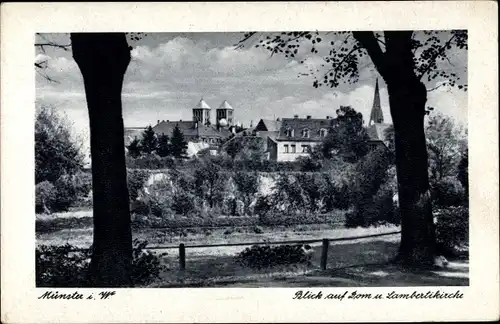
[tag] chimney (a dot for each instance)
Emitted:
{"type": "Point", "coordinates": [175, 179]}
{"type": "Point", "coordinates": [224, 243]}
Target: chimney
{"type": "Point", "coordinates": [328, 117]}
{"type": "Point", "coordinates": [233, 129]}
{"type": "Point", "coordinates": [308, 117]}
{"type": "Point", "coordinates": [295, 116]}
{"type": "Point", "coordinates": [180, 119]}
{"type": "Point", "coordinates": [157, 122]}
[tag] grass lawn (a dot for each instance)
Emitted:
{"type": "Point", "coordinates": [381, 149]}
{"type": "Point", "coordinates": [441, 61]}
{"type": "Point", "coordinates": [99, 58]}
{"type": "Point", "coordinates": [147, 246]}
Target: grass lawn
{"type": "Point", "coordinates": [353, 263]}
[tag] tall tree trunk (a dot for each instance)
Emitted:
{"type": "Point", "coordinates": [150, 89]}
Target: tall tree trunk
{"type": "Point", "coordinates": [103, 59]}
{"type": "Point", "coordinates": [407, 99]}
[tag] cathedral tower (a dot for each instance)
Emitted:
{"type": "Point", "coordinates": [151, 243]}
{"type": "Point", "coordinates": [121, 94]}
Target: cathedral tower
{"type": "Point", "coordinates": [225, 111]}
{"type": "Point", "coordinates": [376, 116]}
{"type": "Point", "coordinates": [201, 113]}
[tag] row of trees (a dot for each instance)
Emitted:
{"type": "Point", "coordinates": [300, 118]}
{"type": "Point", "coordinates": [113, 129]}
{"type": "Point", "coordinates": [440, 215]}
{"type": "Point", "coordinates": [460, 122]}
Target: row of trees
{"type": "Point", "coordinates": [162, 145]}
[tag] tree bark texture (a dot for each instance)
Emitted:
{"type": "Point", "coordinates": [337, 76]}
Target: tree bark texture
{"type": "Point", "coordinates": [407, 99]}
{"type": "Point", "coordinates": [103, 59]}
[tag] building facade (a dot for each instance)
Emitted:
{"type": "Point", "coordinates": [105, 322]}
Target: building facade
{"type": "Point", "coordinates": [199, 129]}
{"type": "Point", "coordinates": [291, 138]}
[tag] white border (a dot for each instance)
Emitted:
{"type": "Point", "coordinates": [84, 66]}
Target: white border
{"type": "Point", "coordinates": [19, 22]}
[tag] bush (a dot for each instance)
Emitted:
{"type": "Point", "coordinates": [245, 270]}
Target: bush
{"type": "Point", "coordinates": [379, 211]}
{"type": "Point", "coordinates": [183, 203]}
{"type": "Point", "coordinates": [309, 164]}
{"type": "Point", "coordinates": [151, 161]}
{"type": "Point", "coordinates": [371, 173]}
{"type": "Point", "coordinates": [280, 219]}
{"type": "Point", "coordinates": [452, 228]}
{"type": "Point", "coordinates": [66, 192]}
{"type": "Point", "coordinates": [263, 205]}
{"type": "Point", "coordinates": [259, 257]}
{"type": "Point", "coordinates": [135, 182]}
{"type": "Point", "coordinates": [57, 266]}
{"type": "Point", "coordinates": [45, 195]}
{"type": "Point", "coordinates": [448, 192]}
{"type": "Point", "coordinates": [258, 230]}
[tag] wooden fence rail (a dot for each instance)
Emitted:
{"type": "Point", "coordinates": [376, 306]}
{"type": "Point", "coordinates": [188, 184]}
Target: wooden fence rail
{"type": "Point", "coordinates": [324, 249]}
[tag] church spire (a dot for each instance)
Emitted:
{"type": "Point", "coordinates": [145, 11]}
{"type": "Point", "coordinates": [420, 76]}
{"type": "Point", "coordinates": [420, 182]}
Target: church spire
{"type": "Point", "coordinates": [376, 116]}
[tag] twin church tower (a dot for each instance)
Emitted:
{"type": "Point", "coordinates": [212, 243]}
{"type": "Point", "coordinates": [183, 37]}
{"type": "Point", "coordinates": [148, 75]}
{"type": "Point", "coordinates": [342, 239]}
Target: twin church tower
{"type": "Point", "coordinates": [223, 115]}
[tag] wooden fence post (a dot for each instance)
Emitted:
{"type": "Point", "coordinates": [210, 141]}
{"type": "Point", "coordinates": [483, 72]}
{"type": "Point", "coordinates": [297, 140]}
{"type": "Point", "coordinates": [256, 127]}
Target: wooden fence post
{"type": "Point", "coordinates": [324, 254]}
{"type": "Point", "coordinates": [182, 257]}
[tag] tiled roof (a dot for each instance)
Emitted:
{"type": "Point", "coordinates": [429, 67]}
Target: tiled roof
{"type": "Point", "coordinates": [188, 128]}
{"type": "Point", "coordinates": [299, 124]}
{"type": "Point", "coordinates": [268, 125]}
{"type": "Point", "coordinates": [167, 127]}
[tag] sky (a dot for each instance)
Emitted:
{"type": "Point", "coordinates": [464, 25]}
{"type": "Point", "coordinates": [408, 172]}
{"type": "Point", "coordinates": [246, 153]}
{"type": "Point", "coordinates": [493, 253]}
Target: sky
{"type": "Point", "coordinates": [170, 72]}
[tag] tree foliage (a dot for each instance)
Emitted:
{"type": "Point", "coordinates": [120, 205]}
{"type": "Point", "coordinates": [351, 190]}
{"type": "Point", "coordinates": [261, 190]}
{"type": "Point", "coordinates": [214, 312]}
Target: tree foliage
{"type": "Point", "coordinates": [134, 148]}
{"type": "Point", "coordinates": [445, 144]}
{"type": "Point", "coordinates": [56, 150]}
{"type": "Point", "coordinates": [178, 146]}
{"type": "Point", "coordinates": [149, 141]}
{"type": "Point", "coordinates": [343, 54]}
{"type": "Point", "coordinates": [347, 137]}
{"type": "Point", "coordinates": [163, 148]}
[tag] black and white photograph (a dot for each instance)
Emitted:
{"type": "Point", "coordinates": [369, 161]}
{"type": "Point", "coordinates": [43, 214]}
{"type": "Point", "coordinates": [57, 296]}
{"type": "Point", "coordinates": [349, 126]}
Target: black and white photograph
{"type": "Point", "coordinates": [249, 162]}
{"type": "Point", "coordinates": [245, 159]}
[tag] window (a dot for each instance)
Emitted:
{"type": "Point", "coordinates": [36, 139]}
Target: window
{"type": "Point", "coordinates": [289, 132]}
{"type": "Point", "coordinates": [306, 148]}
{"type": "Point", "coordinates": [322, 132]}
{"type": "Point", "coordinates": [293, 148]}
{"type": "Point", "coordinates": [286, 148]}
{"type": "Point", "coordinates": [305, 132]}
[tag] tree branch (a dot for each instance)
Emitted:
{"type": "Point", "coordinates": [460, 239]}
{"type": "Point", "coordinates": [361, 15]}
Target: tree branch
{"type": "Point", "coordinates": [436, 87]}
{"type": "Point", "coordinates": [337, 66]}
{"type": "Point", "coordinates": [370, 43]}
{"type": "Point", "coordinates": [241, 44]}
{"type": "Point", "coordinates": [438, 53]}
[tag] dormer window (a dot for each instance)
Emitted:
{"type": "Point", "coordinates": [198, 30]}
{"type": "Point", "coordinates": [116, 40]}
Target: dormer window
{"type": "Point", "coordinates": [322, 132]}
{"type": "Point", "coordinates": [289, 132]}
{"type": "Point", "coordinates": [305, 133]}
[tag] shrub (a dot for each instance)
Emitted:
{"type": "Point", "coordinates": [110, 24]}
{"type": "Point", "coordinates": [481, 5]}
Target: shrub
{"type": "Point", "coordinates": [45, 195]}
{"type": "Point", "coordinates": [309, 164]}
{"type": "Point", "coordinates": [151, 161]}
{"type": "Point", "coordinates": [379, 211]}
{"type": "Point", "coordinates": [57, 266]}
{"type": "Point", "coordinates": [263, 205]}
{"type": "Point", "coordinates": [247, 185]}
{"type": "Point", "coordinates": [258, 230]}
{"type": "Point", "coordinates": [135, 182]}
{"type": "Point", "coordinates": [70, 189]}
{"type": "Point", "coordinates": [259, 257]}
{"type": "Point", "coordinates": [452, 228]}
{"type": "Point", "coordinates": [275, 219]}
{"type": "Point", "coordinates": [183, 203]}
{"type": "Point", "coordinates": [448, 192]}
{"type": "Point", "coordinates": [371, 173]}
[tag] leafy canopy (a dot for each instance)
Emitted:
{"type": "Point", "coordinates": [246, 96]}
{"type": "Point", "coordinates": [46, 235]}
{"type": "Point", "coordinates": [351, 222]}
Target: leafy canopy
{"type": "Point", "coordinates": [57, 152]}
{"type": "Point", "coordinates": [342, 55]}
